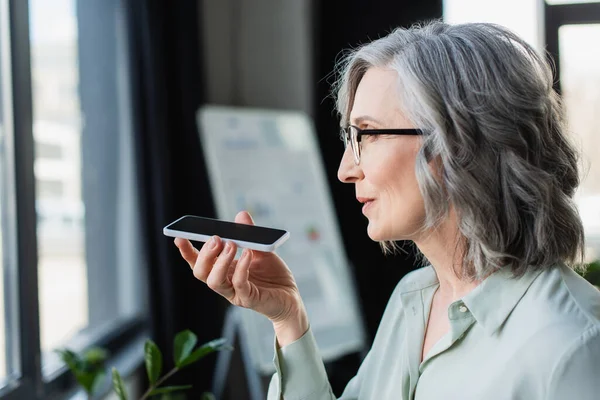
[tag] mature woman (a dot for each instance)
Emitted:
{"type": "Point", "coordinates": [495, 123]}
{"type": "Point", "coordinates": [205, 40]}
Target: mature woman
{"type": "Point", "coordinates": [455, 140]}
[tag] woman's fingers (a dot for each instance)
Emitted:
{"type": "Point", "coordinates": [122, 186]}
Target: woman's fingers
{"type": "Point", "coordinates": [206, 258]}
{"type": "Point", "coordinates": [244, 217]}
{"type": "Point", "coordinates": [215, 265]}
{"type": "Point", "coordinates": [218, 279]}
{"type": "Point", "coordinates": [231, 269]}
{"type": "Point", "coordinates": [240, 282]}
{"type": "Point", "coordinates": [187, 250]}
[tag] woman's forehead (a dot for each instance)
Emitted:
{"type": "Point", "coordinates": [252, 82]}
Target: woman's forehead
{"type": "Point", "coordinates": [376, 99]}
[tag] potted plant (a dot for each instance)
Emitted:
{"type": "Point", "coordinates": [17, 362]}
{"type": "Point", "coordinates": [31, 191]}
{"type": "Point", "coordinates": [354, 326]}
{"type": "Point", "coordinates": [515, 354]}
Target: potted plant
{"type": "Point", "coordinates": [89, 368]}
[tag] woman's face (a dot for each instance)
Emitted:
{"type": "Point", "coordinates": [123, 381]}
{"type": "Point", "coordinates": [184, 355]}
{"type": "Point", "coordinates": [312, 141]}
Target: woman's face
{"type": "Point", "coordinates": [385, 177]}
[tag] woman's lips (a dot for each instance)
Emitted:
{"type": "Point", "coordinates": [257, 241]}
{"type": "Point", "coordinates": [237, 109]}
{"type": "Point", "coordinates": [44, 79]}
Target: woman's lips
{"type": "Point", "coordinates": [367, 205]}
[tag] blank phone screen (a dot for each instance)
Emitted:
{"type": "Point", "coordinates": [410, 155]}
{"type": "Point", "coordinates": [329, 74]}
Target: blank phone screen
{"type": "Point", "coordinates": [229, 230]}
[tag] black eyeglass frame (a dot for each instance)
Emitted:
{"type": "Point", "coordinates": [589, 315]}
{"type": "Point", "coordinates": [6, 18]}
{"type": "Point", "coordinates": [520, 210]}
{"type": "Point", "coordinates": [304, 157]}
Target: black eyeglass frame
{"type": "Point", "coordinates": [355, 140]}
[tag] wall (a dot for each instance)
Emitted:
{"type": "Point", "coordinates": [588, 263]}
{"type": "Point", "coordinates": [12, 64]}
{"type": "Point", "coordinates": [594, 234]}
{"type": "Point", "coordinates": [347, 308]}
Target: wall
{"type": "Point", "coordinates": [258, 53]}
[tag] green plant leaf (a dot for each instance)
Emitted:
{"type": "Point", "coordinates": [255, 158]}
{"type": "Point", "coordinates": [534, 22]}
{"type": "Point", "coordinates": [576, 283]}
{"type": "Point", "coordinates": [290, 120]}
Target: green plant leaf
{"type": "Point", "coordinates": [95, 355]}
{"type": "Point", "coordinates": [169, 389]}
{"type": "Point", "coordinates": [207, 396]}
{"type": "Point", "coordinates": [70, 358]}
{"type": "Point", "coordinates": [153, 358]}
{"type": "Point", "coordinates": [594, 266]}
{"type": "Point", "coordinates": [184, 344]}
{"type": "Point", "coordinates": [207, 348]}
{"type": "Point", "coordinates": [118, 385]}
{"type": "Point", "coordinates": [88, 371]}
{"type": "Point", "coordinates": [97, 382]}
{"type": "Point", "coordinates": [591, 272]}
{"type": "Point", "coordinates": [88, 380]}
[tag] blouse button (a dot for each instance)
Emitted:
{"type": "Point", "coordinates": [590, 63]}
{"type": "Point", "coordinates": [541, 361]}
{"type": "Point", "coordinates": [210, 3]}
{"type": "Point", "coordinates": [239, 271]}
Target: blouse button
{"type": "Point", "coordinates": [463, 309]}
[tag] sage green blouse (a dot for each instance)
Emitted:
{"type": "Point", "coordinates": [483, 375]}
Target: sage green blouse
{"type": "Point", "coordinates": [533, 337]}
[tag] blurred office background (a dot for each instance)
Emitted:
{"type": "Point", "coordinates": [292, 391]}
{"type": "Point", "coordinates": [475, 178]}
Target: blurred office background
{"type": "Point", "coordinates": [99, 150]}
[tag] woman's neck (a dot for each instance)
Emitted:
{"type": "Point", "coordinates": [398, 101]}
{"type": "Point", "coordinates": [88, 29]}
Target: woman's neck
{"type": "Point", "coordinates": [444, 252]}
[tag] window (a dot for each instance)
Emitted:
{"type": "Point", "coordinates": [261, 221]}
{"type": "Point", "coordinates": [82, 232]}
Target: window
{"type": "Point", "coordinates": [2, 294]}
{"type": "Point", "coordinates": [525, 23]}
{"type": "Point", "coordinates": [572, 31]}
{"type": "Point", "coordinates": [579, 80]}
{"type": "Point", "coordinates": [48, 151]}
{"type": "Point", "coordinates": [7, 267]}
{"type": "Point", "coordinates": [69, 187]}
{"type": "Point", "coordinates": [572, 34]}
{"type": "Point", "coordinates": [87, 230]}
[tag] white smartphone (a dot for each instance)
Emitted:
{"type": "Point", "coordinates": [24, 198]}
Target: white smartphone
{"type": "Point", "coordinates": [247, 236]}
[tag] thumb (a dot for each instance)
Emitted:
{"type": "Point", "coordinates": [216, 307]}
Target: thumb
{"type": "Point", "coordinates": [243, 217]}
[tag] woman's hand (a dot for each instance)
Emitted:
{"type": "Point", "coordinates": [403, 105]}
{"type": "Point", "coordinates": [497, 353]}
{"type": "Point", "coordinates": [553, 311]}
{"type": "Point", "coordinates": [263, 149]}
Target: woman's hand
{"type": "Point", "coordinates": [258, 280]}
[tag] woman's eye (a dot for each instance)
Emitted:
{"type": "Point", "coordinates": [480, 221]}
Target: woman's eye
{"type": "Point", "coordinates": [369, 138]}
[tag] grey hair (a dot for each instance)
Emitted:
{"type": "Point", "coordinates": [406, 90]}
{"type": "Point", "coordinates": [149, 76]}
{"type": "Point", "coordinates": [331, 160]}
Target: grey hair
{"type": "Point", "coordinates": [495, 127]}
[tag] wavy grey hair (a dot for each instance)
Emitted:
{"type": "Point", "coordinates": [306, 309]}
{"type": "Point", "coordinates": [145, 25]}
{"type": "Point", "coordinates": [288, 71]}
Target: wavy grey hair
{"type": "Point", "coordinates": [495, 125]}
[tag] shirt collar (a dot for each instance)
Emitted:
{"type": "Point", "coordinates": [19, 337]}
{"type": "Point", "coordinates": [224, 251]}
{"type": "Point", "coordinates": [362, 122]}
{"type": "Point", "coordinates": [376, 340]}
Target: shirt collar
{"type": "Point", "coordinates": [492, 301]}
{"type": "Point", "coordinates": [418, 279]}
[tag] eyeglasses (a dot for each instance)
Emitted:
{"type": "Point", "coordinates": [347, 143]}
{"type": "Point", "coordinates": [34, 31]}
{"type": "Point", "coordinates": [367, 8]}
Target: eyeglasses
{"type": "Point", "coordinates": [352, 136]}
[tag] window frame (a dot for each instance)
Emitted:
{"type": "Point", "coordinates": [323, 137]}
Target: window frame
{"type": "Point", "coordinates": [123, 338]}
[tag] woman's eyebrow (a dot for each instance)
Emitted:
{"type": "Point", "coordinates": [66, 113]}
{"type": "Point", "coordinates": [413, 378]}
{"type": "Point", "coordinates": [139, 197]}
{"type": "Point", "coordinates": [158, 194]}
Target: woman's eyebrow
{"type": "Point", "coordinates": [365, 118]}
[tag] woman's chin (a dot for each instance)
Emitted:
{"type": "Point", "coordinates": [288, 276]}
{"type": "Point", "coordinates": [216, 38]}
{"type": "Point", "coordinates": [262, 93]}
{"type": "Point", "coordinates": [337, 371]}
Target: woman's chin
{"type": "Point", "coordinates": [375, 234]}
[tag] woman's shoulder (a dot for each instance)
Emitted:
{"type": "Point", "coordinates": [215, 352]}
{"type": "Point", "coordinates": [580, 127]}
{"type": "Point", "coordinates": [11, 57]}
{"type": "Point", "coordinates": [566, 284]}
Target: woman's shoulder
{"type": "Point", "coordinates": [562, 302]}
{"type": "Point", "coordinates": [583, 297]}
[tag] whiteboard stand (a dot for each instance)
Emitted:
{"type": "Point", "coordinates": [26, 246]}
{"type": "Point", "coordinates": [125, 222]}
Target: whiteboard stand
{"type": "Point", "coordinates": [268, 162]}
{"type": "Point", "coordinates": [232, 328]}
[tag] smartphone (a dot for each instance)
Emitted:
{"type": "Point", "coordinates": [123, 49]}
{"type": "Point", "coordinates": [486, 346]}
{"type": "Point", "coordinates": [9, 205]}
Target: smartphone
{"type": "Point", "coordinates": [247, 236]}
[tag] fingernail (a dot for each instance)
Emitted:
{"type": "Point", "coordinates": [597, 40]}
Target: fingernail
{"type": "Point", "coordinates": [213, 242]}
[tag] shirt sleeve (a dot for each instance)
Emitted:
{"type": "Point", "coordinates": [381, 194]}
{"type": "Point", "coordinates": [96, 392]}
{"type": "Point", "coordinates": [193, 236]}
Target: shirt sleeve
{"type": "Point", "coordinates": [576, 374]}
{"type": "Point", "coordinates": [300, 373]}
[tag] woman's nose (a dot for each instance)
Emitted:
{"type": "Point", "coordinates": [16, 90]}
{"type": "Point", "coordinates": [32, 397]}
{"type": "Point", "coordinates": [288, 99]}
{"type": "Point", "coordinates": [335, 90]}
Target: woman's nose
{"type": "Point", "coordinates": [348, 171]}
